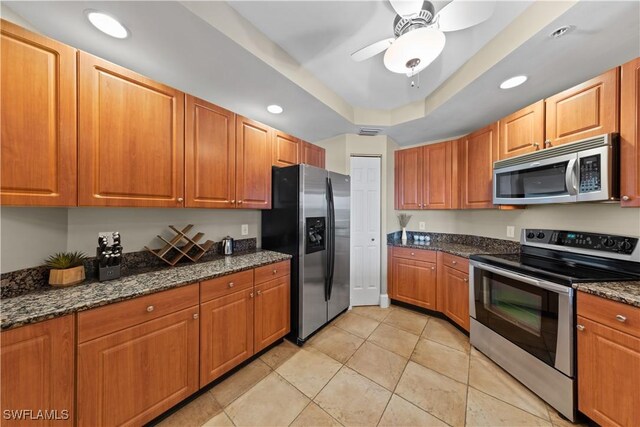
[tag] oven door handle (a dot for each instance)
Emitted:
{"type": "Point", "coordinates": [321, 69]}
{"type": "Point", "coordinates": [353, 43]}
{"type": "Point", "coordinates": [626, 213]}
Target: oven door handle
{"type": "Point", "coordinates": [553, 287]}
{"type": "Point", "coordinates": [570, 177]}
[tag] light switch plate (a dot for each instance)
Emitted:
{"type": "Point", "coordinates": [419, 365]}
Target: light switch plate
{"type": "Point", "coordinates": [422, 225]}
{"type": "Point", "coordinates": [244, 229]}
{"type": "Point", "coordinates": [511, 231]}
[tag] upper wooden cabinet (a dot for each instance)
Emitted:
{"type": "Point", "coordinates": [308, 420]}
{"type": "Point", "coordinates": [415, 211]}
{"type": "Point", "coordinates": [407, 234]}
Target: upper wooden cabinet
{"type": "Point", "coordinates": [523, 131]}
{"type": "Point", "coordinates": [210, 155]}
{"type": "Point", "coordinates": [287, 149]}
{"type": "Point", "coordinates": [131, 138]}
{"type": "Point", "coordinates": [253, 164]}
{"type": "Point", "coordinates": [38, 105]}
{"type": "Point", "coordinates": [38, 371]}
{"type": "Point", "coordinates": [630, 134]}
{"type": "Point", "coordinates": [408, 178]}
{"type": "Point", "coordinates": [585, 110]}
{"type": "Point", "coordinates": [478, 151]}
{"type": "Point", "coordinates": [437, 165]}
{"type": "Point", "coordinates": [313, 155]}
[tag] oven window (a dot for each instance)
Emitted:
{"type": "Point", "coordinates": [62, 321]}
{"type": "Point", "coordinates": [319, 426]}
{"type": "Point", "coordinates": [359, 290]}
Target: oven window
{"type": "Point", "coordinates": [524, 314]}
{"type": "Point", "coordinates": [543, 181]}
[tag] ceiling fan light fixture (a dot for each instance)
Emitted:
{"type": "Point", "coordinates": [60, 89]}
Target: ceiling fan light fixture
{"type": "Point", "coordinates": [419, 47]}
{"type": "Point", "coordinates": [513, 82]}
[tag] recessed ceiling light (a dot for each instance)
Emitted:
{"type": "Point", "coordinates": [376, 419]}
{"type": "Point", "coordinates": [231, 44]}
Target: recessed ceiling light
{"type": "Point", "coordinates": [513, 82]}
{"type": "Point", "coordinates": [556, 34]}
{"type": "Point", "coordinates": [274, 109]}
{"type": "Point", "coordinates": [107, 24]}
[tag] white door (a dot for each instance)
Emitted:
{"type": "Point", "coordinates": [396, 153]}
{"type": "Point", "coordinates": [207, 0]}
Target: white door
{"type": "Point", "coordinates": [365, 231]}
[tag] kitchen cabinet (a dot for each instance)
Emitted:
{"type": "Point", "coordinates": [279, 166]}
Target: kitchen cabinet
{"type": "Point", "coordinates": [630, 134]}
{"type": "Point", "coordinates": [272, 304]}
{"type": "Point", "coordinates": [253, 164]}
{"type": "Point", "coordinates": [608, 361]}
{"type": "Point", "coordinates": [414, 278]}
{"type": "Point", "coordinates": [131, 138]}
{"type": "Point", "coordinates": [453, 288]}
{"type": "Point", "coordinates": [140, 363]}
{"type": "Point", "coordinates": [38, 363]}
{"type": "Point", "coordinates": [38, 109]}
{"type": "Point", "coordinates": [478, 151]}
{"type": "Point", "coordinates": [287, 149]}
{"type": "Point", "coordinates": [522, 132]}
{"type": "Point", "coordinates": [588, 109]}
{"type": "Point", "coordinates": [313, 155]}
{"type": "Point", "coordinates": [210, 155]}
{"type": "Point", "coordinates": [408, 179]}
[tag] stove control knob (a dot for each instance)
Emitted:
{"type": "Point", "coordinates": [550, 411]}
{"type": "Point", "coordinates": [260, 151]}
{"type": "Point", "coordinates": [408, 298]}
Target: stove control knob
{"type": "Point", "coordinates": [608, 242]}
{"type": "Point", "coordinates": [540, 235]}
{"type": "Point", "coordinates": [530, 235]}
{"type": "Point", "coordinates": [626, 245]}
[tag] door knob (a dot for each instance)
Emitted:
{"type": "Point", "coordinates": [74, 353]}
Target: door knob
{"type": "Point", "coordinates": [195, 315]}
{"type": "Point", "coordinates": [454, 262]}
{"type": "Point", "coordinates": [233, 201]}
{"type": "Point", "coordinates": [626, 198]}
{"type": "Point", "coordinates": [433, 268]}
{"type": "Point", "coordinates": [180, 200]}
{"type": "Point", "coordinates": [150, 308]}
{"type": "Point", "coordinates": [258, 292]}
{"type": "Point", "coordinates": [580, 327]}
{"type": "Point", "coordinates": [536, 145]}
{"type": "Point", "coordinates": [231, 284]}
{"type": "Point", "coordinates": [547, 143]}
{"type": "Point", "coordinates": [465, 280]}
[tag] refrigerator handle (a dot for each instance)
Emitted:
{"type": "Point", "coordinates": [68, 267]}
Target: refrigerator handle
{"type": "Point", "coordinates": [332, 231]}
{"type": "Point", "coordinates": [327, 273]}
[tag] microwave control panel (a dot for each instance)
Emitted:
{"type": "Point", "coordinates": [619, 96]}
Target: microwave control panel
{"type": "Point", "coordinates": [590, 174]}
{"type": "Point", "coordinates": [574, 239]}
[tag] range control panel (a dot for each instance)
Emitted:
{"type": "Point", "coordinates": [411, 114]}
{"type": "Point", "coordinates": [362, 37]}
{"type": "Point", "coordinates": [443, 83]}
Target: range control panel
{"type": "Point", "coordinates": [607, 243]}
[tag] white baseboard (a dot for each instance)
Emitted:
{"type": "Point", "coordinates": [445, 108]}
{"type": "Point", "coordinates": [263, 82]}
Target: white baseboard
{"type": "Point", "coordinates": [384, 301]}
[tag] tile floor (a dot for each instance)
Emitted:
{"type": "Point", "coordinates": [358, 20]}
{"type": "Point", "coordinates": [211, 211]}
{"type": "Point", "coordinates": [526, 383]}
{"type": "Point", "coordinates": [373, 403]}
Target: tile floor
{"type": "Point", "coordinates": [371, 366]}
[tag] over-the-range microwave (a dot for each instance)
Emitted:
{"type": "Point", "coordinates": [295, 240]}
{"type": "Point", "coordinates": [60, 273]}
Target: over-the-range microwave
{"type": "Point", "coordinates": [581, 171]}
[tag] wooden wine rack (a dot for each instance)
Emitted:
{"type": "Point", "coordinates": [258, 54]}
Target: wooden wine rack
{"type": "Point", "coordinates": [172, 252]}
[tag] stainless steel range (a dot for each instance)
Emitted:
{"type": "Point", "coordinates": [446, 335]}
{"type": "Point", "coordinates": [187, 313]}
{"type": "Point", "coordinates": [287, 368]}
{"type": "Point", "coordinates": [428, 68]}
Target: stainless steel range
{"type": "Point", "coordinates": [522, 306]}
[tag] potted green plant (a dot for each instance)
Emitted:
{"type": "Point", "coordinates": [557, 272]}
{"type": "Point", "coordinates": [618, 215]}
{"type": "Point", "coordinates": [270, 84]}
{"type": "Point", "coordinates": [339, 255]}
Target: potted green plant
{"type": "Point", "coordinates": [67, 268]}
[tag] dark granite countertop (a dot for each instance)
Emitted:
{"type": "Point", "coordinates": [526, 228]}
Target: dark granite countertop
{"type": "Point", "coordinates": [624, 292]}
{"type": "Point", "coordinates": [55, 302]}
{"type": "Point", "coordinates": [458, 249]}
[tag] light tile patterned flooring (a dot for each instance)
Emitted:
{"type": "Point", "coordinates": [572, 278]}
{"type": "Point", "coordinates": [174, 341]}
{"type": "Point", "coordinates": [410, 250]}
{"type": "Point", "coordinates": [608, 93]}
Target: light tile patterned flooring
{"type": "Point", "coordinates": [371, 366]}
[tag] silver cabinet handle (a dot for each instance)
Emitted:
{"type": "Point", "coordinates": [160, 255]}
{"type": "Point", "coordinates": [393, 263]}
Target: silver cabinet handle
{"type": "Point", "coordinates": [454, 262]}
{"type": "Point", "coordinates": [547, 143]}
{"type": "Point", "coordinates": [535, 144]}
{"type": "Point", "coordinates": [580, 327]}
{"type": "Point", "coordinates": [231, 284]}
{"type": "Point", "coordinates": [180, 199]}
{"type": "Point", "coordinates": [258, 292]}
{"type": "Point", "coordinates": [251, 295]}
{"type": "Point", "coordinates": [150, 308]}
{"type": "Point", "coordinates": [233, 201]}
{"type": "Point", "coordinates": [195, 315]}
{"type": "Point", "coordinates": [433, 268]}
{"type": "Point", "coordinates": [621, 318]}
{"type": "Point", "coordinates": [626, 198]}
{"type": "Point", "coordinates": [465, 280]}
{"type": "Point", "coordinates": [239, 202]}
{"type": "Point", "coordinates": [413, 254]}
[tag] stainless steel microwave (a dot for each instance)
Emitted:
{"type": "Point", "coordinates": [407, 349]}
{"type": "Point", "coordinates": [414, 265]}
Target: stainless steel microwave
{"type": "Point", "coordinates": [582, 171]}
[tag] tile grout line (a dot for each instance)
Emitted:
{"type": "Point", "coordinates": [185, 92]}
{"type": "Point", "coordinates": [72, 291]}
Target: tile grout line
{"type": "Point", "coordinates": [512, 405]}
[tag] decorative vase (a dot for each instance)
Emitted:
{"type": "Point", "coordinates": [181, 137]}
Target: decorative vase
{"type": "Point", "coordinates": [404, 235]}
{"type": "Point", "coordinates": [66, 277]}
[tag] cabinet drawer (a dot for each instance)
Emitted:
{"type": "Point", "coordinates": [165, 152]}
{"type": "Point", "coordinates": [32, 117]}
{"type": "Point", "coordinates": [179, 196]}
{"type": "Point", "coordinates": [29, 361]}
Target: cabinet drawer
{"type": "Point", "coordinates": [610, 313]}
{"type": "Point", "coordinates": [272, 271]}
{"type": "Point", "coordinates": [220, 286]}
{"type": "Point", "coordinates": [417, 254]}
{"type": "Point", "coordinates": [459, 263]}
{"type": "Point", "coordinates": [114, 317]}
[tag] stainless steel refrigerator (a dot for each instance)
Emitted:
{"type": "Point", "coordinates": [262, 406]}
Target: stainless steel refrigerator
{"type": "Point", "coordinates": [309, 220]}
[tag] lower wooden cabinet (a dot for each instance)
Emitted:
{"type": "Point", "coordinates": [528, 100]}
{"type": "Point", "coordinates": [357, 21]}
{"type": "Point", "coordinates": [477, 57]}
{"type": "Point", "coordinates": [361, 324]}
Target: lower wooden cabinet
{"type": "Point", "coordinates": [414, 282]}
{"type": "Point", "coordinates": [37, 363]}
{"type": "Point", "coordinates": [608, 361]}
{"type": "Point", "coordinates": [453, 288]}
{"type": "Point", "coordinates": [272, 304]}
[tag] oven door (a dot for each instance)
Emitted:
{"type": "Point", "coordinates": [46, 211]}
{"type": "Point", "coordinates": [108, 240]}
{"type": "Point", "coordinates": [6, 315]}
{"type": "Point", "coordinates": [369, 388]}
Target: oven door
{"type": "Point", "coordinates": [535, 315]}
{"type": "Point", "coordinates": [551, 180]}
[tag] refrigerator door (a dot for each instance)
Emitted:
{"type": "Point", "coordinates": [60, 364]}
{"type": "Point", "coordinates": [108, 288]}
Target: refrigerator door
{"type": "Point", "coordinates": [340, 288]}
{"type": "Point", "coordinates": [312, 302]}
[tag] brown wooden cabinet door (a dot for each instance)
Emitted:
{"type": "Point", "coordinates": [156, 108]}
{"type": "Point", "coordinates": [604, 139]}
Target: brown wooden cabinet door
{"type": "Point", "coordinates": [226, 334]}
{"type": "Point", "coordinates": [478, 152]}
{"type": "Point", "coordinates": [272, 320]}
{"type": "Point", "coordinates": [608, 374]}
{"type": "Point", "coordinates": [522, 132]}
{"type": "Point", "coordinates": [630, 134]}
{"type": "Point", "coordinates": [287, 149]}
{"type": "Point", "coordinates": [455, 290]}
{"type": "Point", "coordinates": [38, 108]}
{"type": "Point", "coordinates": [586, 110]}
{"type": "Point", "coordinates": [253, 164]}
{"type": "Point", "coordinates": [38, 371]}
{"type": "Point", "coordinates": [313, 155]}
{"type": "Point", "coordinates": [414, 282]}
{"type": "Point", "coordinates": [131, 138]}
{"type": "Point", "coordinates": [210, 155]}
{"type": "Point", "coordinates": [131, 376]}
{"type": "Point", "coordinates": [436, 176]}
{"type": "Point", "coordinates": [408, 178]}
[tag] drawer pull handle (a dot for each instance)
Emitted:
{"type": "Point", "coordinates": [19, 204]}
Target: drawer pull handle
{"type": "Point", "coordinates": [626, 198]}
{"type": "Point", "coordinates": [621, 318]}
{"type": "Point", "coordinates": [433, 268]}
{"type": "Point", "coordinates": [413, 253]}
{"type": "Point", "coordinates": [580, 327]}
{"type": "Point", "coordinates": [195, 315]}
{"type": "Point", "coordinates": [454, 262]}
{"type": "Point", "coordinates": [231, 284]}
{"type": "Point", "coordinates": [275, 271]}
{"type": "Point", "coordinates": [258, 293]}
{"type": "Point", "coordinates": [465, 280]}
{"type": "Point", "coordinates": [150, 308]}
{"type": "Point", "coordinates": [251, 295]}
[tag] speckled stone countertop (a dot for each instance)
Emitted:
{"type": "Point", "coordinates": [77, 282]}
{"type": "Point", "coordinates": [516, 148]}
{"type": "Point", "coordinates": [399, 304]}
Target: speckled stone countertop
{"type": "Point", "coordinates": [457, 249]}
{"type": "Point", "coordinates": [624, 292]}
{"type": "Point", "coordinates": [54, 302]}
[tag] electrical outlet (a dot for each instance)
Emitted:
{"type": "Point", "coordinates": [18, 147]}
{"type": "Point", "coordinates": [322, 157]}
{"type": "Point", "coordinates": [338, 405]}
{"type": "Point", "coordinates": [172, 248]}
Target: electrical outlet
{"type": "Point", "coordinates": [422, 225]}
{"type": "Point", "coordinates": [245, 229]}
{"type": "Point", "coordinates": [511, 231]}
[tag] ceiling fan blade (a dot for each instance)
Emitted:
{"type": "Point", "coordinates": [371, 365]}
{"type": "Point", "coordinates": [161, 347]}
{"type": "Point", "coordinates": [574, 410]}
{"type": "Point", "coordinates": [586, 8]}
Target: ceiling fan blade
{"type": "Point", "coordinates": [406, 7]}
{"type": "Point", "coordinates": [460, 14]}
{"type": "Point", "coordinates": [371, 50]}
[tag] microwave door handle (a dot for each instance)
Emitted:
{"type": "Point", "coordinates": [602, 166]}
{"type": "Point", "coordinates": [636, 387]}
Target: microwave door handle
{"type": "Point", "coordinates": [559, 289]}
{"type": "Point", "coordinates": [570, 177]}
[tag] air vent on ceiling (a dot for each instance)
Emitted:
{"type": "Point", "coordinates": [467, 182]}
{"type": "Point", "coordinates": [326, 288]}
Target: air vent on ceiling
{"type": "Point", "coordinates": [369, 131]}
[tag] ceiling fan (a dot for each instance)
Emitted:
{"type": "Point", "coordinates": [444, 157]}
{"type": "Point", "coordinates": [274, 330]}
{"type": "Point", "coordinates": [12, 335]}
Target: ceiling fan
{"type": "Point", "coordinates": [419, 32]}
